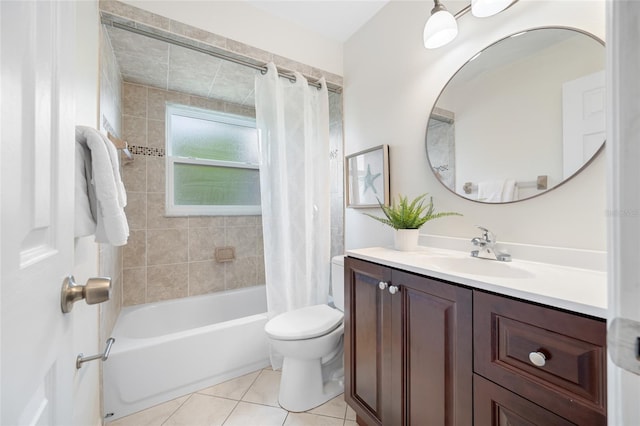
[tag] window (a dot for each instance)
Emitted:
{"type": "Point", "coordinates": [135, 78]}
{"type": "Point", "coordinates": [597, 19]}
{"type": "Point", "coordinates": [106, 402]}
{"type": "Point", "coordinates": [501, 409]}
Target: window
{"type": "Point", "coordinates": [212, 163]}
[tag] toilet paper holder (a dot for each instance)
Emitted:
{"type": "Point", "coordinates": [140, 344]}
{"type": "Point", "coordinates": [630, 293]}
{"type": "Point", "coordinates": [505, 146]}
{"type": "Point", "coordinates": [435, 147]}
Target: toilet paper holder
{"type": "Point", "coordinates": [81, 359]}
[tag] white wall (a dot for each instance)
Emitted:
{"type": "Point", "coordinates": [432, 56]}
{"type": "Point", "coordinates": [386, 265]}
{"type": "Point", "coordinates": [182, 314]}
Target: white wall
{"type": "Point", "coordinates": [391, 82]}
{"type": "Point", "coordinates": [491, 115]}
{"type": "Point", "coordinates": [242, 22]}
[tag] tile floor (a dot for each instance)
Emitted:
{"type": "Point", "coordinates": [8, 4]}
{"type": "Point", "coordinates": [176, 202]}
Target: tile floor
{"type": "Point", "coordinates": [249, 400]}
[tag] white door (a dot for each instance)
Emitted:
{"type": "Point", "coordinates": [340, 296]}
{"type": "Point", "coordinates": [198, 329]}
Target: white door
{"type": "Point", "coordinates": [623, 154]}
{"type": "Point", "coordinates": [36, 179]}
{"type": "Point", "coordinates": [583, 120]}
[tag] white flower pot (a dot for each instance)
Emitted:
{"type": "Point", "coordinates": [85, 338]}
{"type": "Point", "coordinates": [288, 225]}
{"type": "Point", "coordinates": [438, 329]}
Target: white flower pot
{"type": "Point", "coordinates": [406, 239]}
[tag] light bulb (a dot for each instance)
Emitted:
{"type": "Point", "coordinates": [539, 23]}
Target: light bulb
{"type": "Point", "coordinates": [440, 29]}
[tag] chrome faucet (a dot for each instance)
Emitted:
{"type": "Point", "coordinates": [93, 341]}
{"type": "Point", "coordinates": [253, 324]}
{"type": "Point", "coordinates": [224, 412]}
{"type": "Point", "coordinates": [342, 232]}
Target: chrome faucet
{"type": "Point", "coordinates": [487, 247]}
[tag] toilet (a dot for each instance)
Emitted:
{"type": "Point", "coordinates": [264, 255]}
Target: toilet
{"type": "Point", "coordinates": [310, 340]}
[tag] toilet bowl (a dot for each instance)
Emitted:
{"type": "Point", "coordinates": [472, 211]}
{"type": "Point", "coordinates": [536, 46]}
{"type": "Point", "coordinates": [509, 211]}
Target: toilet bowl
{"type": "Point", "coordinates": [310, 340]}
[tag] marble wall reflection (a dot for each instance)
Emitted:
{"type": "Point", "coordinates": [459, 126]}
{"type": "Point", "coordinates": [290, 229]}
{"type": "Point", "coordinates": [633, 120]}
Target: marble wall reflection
{"type": "Point", "coordinates": [441, 146]}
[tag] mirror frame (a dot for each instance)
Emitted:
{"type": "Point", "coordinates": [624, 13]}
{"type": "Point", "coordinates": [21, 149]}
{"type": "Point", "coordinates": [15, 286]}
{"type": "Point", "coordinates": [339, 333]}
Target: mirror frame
{"type": "Point", "coordinates": [471, 58]}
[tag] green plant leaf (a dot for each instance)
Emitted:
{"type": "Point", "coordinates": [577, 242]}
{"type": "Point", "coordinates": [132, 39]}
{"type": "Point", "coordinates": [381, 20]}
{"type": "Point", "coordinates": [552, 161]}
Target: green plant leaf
{"type": "Point", "coordinates": [409, 215]}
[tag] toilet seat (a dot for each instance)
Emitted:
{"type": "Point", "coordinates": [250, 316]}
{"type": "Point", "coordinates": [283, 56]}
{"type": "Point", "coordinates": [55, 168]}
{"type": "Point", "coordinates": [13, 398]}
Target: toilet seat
{"type": "Point", "coordinates": [304, 323]}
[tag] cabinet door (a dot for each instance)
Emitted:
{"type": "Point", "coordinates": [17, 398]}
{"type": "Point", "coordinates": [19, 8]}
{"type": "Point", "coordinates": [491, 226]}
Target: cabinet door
{"type": "Point", "coordinates": [496, 406]}
{"type": "Point", "coordinates": [365, 332]}
{"type": "Point", "coordinates": [433, 353]}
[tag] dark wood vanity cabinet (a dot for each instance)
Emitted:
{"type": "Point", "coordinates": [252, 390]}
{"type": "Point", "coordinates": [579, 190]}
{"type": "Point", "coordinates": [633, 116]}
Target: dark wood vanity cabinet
{"type": "Point", "coordinates": [430, 352]}
{"type": "Point", "coordinates": [495, 405]}
{"type": "Point", "coordinates": [553, 359]}
{"type": "Point", "coordinates": [408, 353]}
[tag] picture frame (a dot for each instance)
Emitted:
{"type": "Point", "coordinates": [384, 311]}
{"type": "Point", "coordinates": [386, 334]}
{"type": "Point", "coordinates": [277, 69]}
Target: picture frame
{"type": "Point", "coordinates": [367, 177]}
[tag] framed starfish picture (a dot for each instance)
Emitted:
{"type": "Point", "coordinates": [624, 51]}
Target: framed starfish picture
{"type": "Point", "coordinates": [367, 177]}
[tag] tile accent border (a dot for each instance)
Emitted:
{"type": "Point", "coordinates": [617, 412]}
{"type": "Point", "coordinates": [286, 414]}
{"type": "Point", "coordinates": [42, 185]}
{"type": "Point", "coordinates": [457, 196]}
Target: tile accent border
{"type": "Point", "coordinates": [147, 151]}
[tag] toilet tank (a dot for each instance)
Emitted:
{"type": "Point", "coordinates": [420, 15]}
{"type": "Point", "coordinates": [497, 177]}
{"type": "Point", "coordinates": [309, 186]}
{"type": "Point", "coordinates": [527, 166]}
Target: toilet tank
{"type": "Point", "coordinates": [337, 281]}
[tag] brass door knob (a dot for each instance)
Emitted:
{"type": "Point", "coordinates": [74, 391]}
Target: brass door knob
{"type": "Point", "coordinates": [96, 290]}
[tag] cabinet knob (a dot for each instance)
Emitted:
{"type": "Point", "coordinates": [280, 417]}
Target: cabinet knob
{"type": "Point", "coordinates": [538, 358]}
{"type": "Point", "coordinates": [383, 285]}
{"type": "Point", "coordinates": [393, 289]}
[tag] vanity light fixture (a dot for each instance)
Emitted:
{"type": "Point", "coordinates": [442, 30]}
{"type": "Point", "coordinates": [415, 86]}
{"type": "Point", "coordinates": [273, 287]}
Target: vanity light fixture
{"type": "Point", "coordinates": [442, 27]}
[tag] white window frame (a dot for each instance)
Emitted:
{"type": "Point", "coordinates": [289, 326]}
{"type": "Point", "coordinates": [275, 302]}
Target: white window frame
{"type": "Point", "coordinates": [171, 208]}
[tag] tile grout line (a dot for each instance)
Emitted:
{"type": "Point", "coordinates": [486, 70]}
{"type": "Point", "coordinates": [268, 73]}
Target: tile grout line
{"type": "Point", "coordinates": [176, 410]}
{"type": "Point", "coordinates": [231, 412]}
{"type": "Point", "coordinates": [246, 402]}
{"type": "Point", "coordinates": [249, 387]}
{"type": "Point", "coordinates": [238, 401]}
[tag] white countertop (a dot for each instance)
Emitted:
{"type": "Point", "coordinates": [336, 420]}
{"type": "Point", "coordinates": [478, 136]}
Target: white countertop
{"type": "Point", "coordinates": [578, 290]}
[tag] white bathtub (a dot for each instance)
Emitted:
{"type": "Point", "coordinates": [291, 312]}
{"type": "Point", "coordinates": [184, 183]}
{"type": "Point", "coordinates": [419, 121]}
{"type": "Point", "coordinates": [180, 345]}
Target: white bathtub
{"type": "Point", "coordinates": [167, 349]}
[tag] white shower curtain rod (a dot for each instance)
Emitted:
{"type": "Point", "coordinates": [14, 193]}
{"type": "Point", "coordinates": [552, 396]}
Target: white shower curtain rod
{"type": "Point", "coordinates": [218, 53]}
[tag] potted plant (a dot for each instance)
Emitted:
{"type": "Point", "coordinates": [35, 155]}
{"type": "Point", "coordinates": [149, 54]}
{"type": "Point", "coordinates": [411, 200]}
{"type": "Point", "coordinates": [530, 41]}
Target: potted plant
{"type": "Point", "coordinates": [407, 218]}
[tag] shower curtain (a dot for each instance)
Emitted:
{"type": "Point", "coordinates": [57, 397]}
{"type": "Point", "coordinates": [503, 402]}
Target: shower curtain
{"type": "Point", "coordinates": [293, 126]}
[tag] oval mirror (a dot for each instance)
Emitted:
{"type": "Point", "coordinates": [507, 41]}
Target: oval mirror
{"type": "Point", "coordinates": [520, 117]}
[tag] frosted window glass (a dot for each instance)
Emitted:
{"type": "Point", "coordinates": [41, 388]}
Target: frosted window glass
{"type": "Point", "coordinates": [213, 140]}
{"type": "Point", "coordinates": [213, 185]}
{"type": "Point", "coordinates": [221, 175]}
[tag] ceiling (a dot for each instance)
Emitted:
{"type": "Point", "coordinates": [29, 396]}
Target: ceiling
{"type": "Point", "coordinates": [334, 19]}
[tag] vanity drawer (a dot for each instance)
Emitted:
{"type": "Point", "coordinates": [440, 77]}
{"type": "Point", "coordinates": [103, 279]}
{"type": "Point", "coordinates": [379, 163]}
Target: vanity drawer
{"type": "Point", "coordinates": [493, 405]}
{"type": "Point", "coordinates": [571, 378]}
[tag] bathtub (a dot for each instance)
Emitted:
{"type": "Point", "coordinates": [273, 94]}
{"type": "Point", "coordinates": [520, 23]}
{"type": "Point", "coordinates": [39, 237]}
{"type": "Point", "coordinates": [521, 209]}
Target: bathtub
{"type": "Point", "coordinates": [168, 349]}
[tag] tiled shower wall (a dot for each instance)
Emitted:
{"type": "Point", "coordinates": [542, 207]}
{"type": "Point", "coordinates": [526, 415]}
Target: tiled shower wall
{"type": "Point", "coordinates": [336, 164]}
{"type": "Point", "coordinates": [173, 257]}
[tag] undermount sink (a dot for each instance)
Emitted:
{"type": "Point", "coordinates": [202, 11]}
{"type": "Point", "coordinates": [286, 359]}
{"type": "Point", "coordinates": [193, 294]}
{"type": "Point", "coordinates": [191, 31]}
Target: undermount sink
{"type": "Point", "coordinates": [475, 266]}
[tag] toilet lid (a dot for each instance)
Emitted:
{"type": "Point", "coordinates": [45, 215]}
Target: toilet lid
{"type": "Point", "coordinates": [304, 323]}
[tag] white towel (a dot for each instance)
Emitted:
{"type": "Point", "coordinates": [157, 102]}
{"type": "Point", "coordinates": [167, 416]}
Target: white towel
{"type": "Point", "coordinates": [490, 191]}
{"type": "Point", "coordinates": [498, 191]}
{"type": "Point", "coordinates": [85, 212]}
{"type": "Point", "coordinates": [509, 190]}
{"type": "Point", "coordinates": [111, 222]}
{"type": "Point", "coordinates": [115, 165]}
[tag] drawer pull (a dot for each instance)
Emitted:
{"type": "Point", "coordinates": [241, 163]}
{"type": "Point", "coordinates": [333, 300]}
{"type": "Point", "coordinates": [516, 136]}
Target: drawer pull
{"type": "Point", "coordinates": [393, 289]}
{"type": "Point", "coordinates": [538, 358]}
{"type": "Point", "coordinates": [383, 285]}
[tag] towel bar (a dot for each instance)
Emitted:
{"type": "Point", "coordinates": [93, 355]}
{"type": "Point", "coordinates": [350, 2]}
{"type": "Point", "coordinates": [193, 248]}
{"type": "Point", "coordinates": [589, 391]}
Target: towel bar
{"type": "Point", "coordinates": [120, 144]}
{"type": "Point", "coordinates": [540, 184]}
